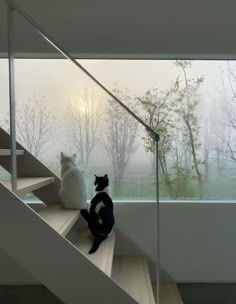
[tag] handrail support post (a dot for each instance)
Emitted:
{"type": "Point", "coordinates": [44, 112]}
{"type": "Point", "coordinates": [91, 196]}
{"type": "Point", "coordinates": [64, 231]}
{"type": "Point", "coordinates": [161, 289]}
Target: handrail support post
{"type": "Point", "coordinates": [12, 103]}
{"type": "Point", "coordinates": [156, 138]}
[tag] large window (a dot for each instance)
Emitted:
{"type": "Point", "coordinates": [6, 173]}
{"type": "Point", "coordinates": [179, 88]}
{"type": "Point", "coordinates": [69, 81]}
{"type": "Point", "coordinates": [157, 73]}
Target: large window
{"type": "Point", "coordinates": [192, 104]}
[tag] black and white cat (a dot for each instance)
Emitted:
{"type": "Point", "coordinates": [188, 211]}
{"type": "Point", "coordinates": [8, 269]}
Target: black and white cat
{"type": "Point", "coordinates": [100, 216]}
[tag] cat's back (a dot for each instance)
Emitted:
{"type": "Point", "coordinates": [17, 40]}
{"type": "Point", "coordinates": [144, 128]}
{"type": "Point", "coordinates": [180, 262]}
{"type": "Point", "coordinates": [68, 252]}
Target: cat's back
{"type": "Point", "coordinates": [74, 182]}
{"type": "Point", "coordinates": [73, 191]}
{"type": "Point", "coordinates": [73, 176]}
{"type": "Point", "coordinates": [103, 198]}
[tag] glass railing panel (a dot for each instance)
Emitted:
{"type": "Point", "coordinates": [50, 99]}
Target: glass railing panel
{"type": "Point", "coordinates": [159, 93]}
{"type": "Point", "coordinates": [37, 121]}
{"type": "Point", "coordinates": [59, 108]}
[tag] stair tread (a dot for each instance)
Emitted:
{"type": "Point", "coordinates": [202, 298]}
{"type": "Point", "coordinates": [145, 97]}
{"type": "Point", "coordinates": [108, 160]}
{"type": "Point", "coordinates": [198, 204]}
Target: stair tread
{"type": "Point", "coordinates": [132, 274]}
{"type": "Point", "coordinates": [29, 184]}
{"type": "Point", "coordinates": [169, 293]}
{"type": "Point", "coordinates": [59, 219]}
{"type": "Point", "coordinates": [7, 152]}
{"type": "Point", "coordinates": [103, 258]}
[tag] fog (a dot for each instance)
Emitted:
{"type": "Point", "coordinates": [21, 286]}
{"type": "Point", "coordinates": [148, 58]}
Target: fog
{"type": "Point", "coordinates": [57, 82]}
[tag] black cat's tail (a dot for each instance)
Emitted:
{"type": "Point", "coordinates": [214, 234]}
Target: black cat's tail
{"type": "Point", "coordinates": [85, 214]}
{"type": "Point", "coordinates": [96, 243]}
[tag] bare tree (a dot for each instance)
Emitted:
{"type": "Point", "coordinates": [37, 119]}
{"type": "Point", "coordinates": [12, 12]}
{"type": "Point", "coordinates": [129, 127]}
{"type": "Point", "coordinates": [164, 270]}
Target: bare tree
{"type": "Point", "coordinates": [216, 136]}
{"type": "Point", "coordinates": [220, 134]}
{"type": "Point", "coordinates": [206, 147]}
{"type": "Point", "coordinates": [220, 143]}
{"type": "Point", "coordinates": [84, 119]}
{"type": "Point", "coordinates": [188, 103]}
{"type": "Point", "coordinates": [180, 148]}
{"type": "Point", "coordinates": [35, 125]}
{"type": "Point", "coordinates": [3, 122]}
{"type": "Point", "coordinates": [120, 136]}
{"type": "Point", "coordinates": [231, 110]}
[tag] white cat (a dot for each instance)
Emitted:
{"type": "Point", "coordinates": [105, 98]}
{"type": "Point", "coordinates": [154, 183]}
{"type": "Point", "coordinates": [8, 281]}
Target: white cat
{"type": "Point", "coordinates": [73, 192]}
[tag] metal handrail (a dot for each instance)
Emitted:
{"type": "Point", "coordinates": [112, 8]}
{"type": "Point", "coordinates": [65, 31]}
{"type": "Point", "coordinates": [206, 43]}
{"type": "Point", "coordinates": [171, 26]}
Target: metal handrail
{"type": "Point", "coordinates": [67, 54]}
{"type": "Point", "coordinates": [152, 133]}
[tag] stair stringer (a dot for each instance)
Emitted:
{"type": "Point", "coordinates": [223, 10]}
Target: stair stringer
{"type": "Point", "coordinates": [29, 166]}
{"type": "Point", "coordinates": [51, 258]}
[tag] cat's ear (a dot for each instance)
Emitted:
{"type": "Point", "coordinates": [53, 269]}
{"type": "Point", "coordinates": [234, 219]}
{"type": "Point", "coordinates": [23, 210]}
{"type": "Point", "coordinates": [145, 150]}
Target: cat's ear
{"type": "Point", "coordinates": [62, 155]}
{"type": "Point", "coordinates": [105, 176]}
{"type": "Point", "coordinates": [74, 156]}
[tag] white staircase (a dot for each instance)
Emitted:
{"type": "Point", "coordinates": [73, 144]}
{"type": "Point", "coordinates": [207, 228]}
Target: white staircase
{"type": "Point", "coordinates": [29, 184]}
{"type": "Point", "coordinates": [103, 258]}
{"type": "Point", "coordinates": [7, 152]}
{"type": "Point", "coordinates": [63, 267]}
{"type": "Point", "coordinates": [60, 219]}
{"type": "Point", "coordinates": [132, 274]}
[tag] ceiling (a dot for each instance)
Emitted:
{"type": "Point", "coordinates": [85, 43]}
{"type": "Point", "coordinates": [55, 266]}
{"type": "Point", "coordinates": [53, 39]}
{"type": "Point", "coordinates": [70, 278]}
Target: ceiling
{"type": "Point", "coordinates": [193, 29]}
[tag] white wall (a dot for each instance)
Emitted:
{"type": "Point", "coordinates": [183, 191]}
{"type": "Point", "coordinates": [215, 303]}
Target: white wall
{"type": "Point", "coordinates": [197, 241]}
